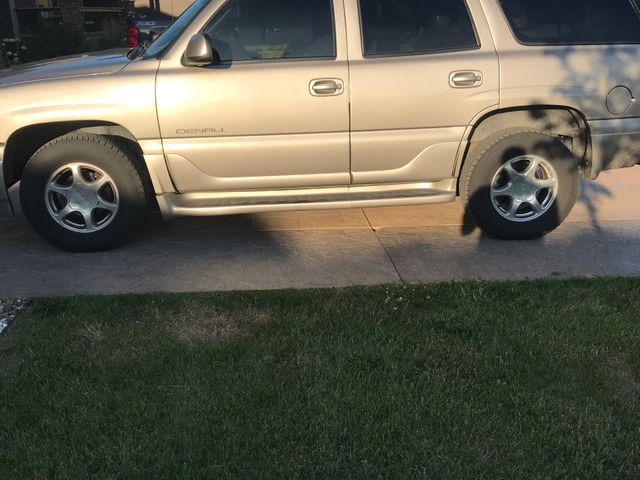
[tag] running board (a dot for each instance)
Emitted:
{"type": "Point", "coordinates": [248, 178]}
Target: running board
{"type": "Point", "coordinates": [229, 203]}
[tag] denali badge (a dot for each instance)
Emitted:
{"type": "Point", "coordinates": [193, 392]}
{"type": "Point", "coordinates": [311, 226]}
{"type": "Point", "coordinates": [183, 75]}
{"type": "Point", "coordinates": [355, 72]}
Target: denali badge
{"type": "Point", "coordinates": [199, 131]}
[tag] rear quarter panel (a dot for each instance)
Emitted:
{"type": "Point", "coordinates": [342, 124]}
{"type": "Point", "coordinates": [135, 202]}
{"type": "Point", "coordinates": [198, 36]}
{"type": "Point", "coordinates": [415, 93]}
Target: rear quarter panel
{"type": "Point", "coordinates": [578, 76]}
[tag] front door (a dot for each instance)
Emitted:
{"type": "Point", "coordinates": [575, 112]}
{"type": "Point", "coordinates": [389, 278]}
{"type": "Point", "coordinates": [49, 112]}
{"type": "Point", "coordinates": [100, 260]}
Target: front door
{"type": "Point", "coordinates": [274, 113]}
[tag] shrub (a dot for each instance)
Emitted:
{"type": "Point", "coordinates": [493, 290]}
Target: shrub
{"type": "Point", "coordinates": [54, 41]}
{"type": "Point", "coordinates": [13, 51]}
{"type": "Point", "coordinates": [106, 41]}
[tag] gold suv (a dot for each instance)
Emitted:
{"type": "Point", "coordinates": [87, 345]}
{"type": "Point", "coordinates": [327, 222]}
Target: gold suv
{"type": "Point", "coordinates": [255, 105]}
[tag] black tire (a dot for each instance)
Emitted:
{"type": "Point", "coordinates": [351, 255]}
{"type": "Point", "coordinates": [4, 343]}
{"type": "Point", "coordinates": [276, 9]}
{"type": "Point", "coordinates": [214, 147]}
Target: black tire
{"type": "Point", "coordinates": [93, 150]}
{"type": "Point", "coordinates": [489, 157]}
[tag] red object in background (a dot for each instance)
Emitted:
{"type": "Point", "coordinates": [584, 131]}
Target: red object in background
{"type": "Point", "coordinates": [133, 37]}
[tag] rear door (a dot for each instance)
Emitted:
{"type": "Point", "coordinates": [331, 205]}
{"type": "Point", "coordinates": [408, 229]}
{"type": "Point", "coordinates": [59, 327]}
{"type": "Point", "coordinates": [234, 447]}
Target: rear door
{"type": "Point", "coordinates": [420, 72]}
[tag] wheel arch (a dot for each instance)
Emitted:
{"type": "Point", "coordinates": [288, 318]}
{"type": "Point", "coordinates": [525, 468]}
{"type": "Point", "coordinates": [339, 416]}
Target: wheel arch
{"type": "Point", "coordinates": [566, 123]}
{"type": "Point", "coordinates": [23, 143]}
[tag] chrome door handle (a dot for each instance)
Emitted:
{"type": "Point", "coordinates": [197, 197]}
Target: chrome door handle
{"type": "Point", "coordinates": [326, 87]}
{"type": "Point", "coordinates": [465, 79]}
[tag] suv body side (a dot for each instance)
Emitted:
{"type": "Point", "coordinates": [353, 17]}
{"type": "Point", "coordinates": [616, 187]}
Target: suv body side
{"type": "Point", "coordinates": [397, 121]}
{"type": "Point", "coordinates": [401, 130]}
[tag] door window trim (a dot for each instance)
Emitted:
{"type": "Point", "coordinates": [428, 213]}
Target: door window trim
{"type": "Point", "coordinates": [478, 45]}
{"type": "Point", "coordinates": [278, 60]}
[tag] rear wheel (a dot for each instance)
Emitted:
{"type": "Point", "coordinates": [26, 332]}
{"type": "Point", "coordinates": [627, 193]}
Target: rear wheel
{"type": "Point", "coordinates": [83, 193]}
{"type": "Point", "coordinates": [520, 184]}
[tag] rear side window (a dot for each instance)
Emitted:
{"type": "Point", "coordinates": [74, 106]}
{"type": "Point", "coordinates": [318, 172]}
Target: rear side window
{"type": "Point", "coordinates": [573, 22]}
{"type": "Point", "coordinates": [406, 27]}
{"type": "Point", "coordinates": [273, 29]}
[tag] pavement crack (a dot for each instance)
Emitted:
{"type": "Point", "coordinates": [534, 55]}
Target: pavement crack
{"type": "Point", "coordinates": [384, 247]}
{"type": "Point", "coordinates": [597, 247]}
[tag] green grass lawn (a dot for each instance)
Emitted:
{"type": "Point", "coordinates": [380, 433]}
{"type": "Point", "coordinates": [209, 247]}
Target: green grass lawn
{"type": "Point", "coordinates": [453, 381]}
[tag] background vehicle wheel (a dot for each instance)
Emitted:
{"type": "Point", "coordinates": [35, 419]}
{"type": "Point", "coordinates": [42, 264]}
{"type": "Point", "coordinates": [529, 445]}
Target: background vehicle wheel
{"type": "Point", "coordinates": [520, 184]}
{"type": "Point", "coordinates": [83, 193]}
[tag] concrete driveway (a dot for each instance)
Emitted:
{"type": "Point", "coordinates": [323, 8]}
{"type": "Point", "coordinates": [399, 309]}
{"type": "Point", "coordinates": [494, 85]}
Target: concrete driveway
{"type": "Point", "coordinates": [332, 249]}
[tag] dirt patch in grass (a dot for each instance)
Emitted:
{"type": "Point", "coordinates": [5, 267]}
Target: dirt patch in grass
{"type": "Point", "coordinates": [629, 387]}
{"type": "Point", "coordinates": [625, 378]}
{"type": "Point", "coordinates": [203, 324]}
{"type": "Point", "coordinates": [92, 333]}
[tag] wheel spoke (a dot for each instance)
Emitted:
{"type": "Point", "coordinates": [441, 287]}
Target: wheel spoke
{"type": "Point", "coordinates": [62, 214]}
{"type": "Point", "coordinates": [59, 189]}
{"type": "Point", "coordinates": [106, 205]}
{"type": "Point", "coordinates": [536, 208]}
{"type": "Point", "coordinates": [76, 172]}
{"type": "Point", "coordinates": [97, 185]}
{"type": "Point", "coordinates": [513, 208]}
{"type": "Point", "coordinates": [498, 191]}
{"type": "Point", "coordinates": [532, 168]}
{"type": "Point", "coordinates": [545, 183]}
{"type": "Point", "coordinates": [511, 172]}
{"type": "Point", "coordinates": [88, 221]}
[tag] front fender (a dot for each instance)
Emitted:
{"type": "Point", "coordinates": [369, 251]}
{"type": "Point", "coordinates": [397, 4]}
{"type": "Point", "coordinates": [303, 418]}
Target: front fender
{"type": "Point", "coordinates": [124, 98]}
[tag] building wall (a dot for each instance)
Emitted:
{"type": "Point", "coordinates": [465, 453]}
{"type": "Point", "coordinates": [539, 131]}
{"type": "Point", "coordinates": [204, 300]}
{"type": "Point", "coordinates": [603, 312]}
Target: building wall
{"type": "Point", "coordinates": [95, 16]}
{"type": "Point", "coordinates": [168, 7]}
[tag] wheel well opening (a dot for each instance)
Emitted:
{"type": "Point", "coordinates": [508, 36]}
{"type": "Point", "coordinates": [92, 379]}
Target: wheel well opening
{"type": "Point", "coordinates": [24, 143]}
{"type": "Point", "coordinates": [28, 140]}
{"type": "Point", "coordinates": [568, 124]}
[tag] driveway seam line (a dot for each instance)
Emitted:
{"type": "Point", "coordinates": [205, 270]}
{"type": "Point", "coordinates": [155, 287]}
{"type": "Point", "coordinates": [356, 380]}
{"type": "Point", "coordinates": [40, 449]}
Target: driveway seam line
{"type": "Point", "coordinates": [393, 264]}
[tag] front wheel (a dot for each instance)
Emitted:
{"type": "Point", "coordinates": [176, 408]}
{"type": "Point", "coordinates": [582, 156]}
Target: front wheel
{"type": "Point", "coordinates": [520, 184]}
{"type": "Point", "coordinates": [83, 193]}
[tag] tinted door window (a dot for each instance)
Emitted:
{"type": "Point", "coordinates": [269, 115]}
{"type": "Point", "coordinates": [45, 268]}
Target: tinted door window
{"type": "Point", "coordinates": [273, 29]}
{"type": "Point", "coordinates": [566, 22]}
{"type": "Point", "coordinates": [402, 27]}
